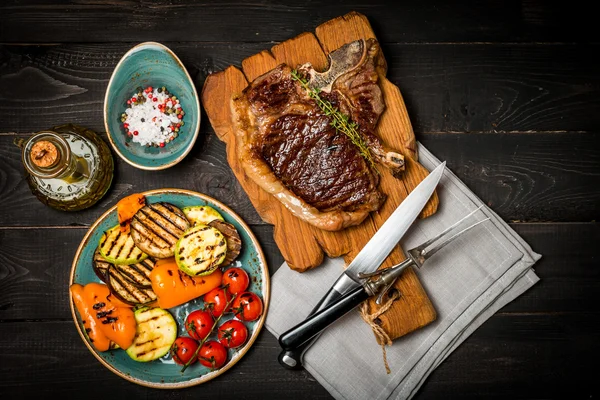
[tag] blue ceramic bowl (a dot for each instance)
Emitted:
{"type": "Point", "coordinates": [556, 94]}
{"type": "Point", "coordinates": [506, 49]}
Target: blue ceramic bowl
{"type": "Point", "coordinates": [151, 64]}
{"type": "Point", "coordinates": [164, 373]}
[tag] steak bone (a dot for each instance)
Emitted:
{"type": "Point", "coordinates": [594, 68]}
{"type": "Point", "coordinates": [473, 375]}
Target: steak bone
{"type": "Point", "coordinates": [341, 61]}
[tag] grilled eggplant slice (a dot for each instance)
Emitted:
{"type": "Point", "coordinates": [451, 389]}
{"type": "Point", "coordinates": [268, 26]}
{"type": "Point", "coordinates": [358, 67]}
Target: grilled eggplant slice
{"type": "Point", "coordinates": [126, 291]}
{"type": "Point", "coordinates": [139, 273]}
{"type": "Point", "coordinates": [119, 248]}
{"type": "Point", "coordinates": [100, 266]}
{"type": "Point", "coordinates": [201, 214]}
{"type": "Point", "coordinates": [200, 250]}
{"type": "Point", "coordinates": [234, 243]}
{"type": "Point", "coordinates": [157, 227]}
{"type": "Point", "coordinates": [155, 334]}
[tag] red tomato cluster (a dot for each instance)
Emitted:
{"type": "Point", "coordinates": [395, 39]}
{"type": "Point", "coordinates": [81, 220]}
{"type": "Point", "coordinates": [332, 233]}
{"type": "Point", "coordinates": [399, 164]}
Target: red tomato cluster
{"type": "Point", "coordinates": [200, 324]}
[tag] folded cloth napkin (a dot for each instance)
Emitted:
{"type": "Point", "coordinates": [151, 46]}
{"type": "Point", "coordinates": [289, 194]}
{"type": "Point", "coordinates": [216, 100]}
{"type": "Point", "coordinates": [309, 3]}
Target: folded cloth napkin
{"type": "Point", "coordinates": [467, 282]}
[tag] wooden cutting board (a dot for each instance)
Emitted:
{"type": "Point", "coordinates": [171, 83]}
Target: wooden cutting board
{"type": "Point", "coordinates": [302, 245]}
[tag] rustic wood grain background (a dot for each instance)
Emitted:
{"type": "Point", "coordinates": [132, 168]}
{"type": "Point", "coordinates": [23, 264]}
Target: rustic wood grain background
{"type": "Point", "coordinates": [506, 91]}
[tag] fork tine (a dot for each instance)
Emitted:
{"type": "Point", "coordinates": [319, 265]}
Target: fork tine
{"type": "Point", "coordinates": [428, 253]}
{"type": "Point", "coordinates": [457, 223]}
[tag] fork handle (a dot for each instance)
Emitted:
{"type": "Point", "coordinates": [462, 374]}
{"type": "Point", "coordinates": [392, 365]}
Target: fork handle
{"type": "Point", "coordinates": [291, 358]}
{"type": "Point", "coordinates": [316, 323]}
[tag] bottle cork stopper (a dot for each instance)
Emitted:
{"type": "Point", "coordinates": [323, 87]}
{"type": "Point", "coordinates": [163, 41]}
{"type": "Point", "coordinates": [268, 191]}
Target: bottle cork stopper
{"type": "Point", "coordinates": [44, 154]}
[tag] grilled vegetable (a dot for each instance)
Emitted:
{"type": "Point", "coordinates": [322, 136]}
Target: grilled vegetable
{"type": "Point", "coordinates": [200, 250]}
{"type": "Point", "coordinates": [155, 229]}
{"type": "Point", "coordinates": [100, 265]}
{"type": "Point", "coordinates": [126, 291]}
{"type": "Point", "coordinates": [234, 243]}
{"type": "Point", "coordinates": [174, 287]}
{"type": "Point", "coordinates": [127, 207]}
{"type": "Point", "coordinates": [201, 214]}
{"type": "Point", "coordinates": [118, 247]}
{"type": "Point", "coordinates": [156, 332]}
{"type": "Point", "coordinates": [90, 325]}
{"type": "Point", "coordinates": [139, 273]}
{"type": "Point", "coordinates": [112, 318]}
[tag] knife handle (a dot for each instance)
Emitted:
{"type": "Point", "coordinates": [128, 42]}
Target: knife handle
{"type": "Point", "coordinates": [292, 358]}
{"type": "Point", "coordinates": [316, 323]}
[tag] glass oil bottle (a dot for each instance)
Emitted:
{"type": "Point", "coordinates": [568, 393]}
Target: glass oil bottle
{"type": "Point", "coordinates": [68, 167]}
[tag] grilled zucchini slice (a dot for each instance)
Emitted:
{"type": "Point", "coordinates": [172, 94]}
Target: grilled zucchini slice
{"type": "Point", "coordinates": [155, 333]}
{"type": "Point", "coordinates": [118, 247]}
{"type": "Point", "coordinates": [234, 243]}
{"type": "Point", "coordinates": [201, 214]}
{"type": "Point", "coordinates": [155, 228]}
{"type": "Point", "coordinates": [200, 250]}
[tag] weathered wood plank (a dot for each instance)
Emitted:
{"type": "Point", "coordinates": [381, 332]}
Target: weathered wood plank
{"type": "Point", "coordinates": [446, 87]}
{"type": "Point", "coordinates": [523, 177]}
{"type": "Point", "coordinates": [416, 21]}
{"type": "Point", "coordinates": [568, 268]}
{"type": "Point", "coordinates": [509, 356]}
{"type": "Point", "coordinates": [541, 356]}
{"type": "Point", "coordinates": [35, 267]}
{"type": "Point", "coordinates": [549, 177]}
{"type": "Point", "coordinates": [62, 366]}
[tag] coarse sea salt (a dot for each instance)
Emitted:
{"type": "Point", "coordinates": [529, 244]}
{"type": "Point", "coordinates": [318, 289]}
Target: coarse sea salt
{"type": "Point", "coordinates": [153, 118]}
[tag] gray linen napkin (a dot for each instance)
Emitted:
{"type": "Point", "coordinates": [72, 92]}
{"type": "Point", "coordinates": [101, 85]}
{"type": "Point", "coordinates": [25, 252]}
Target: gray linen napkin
{"type": "Point", "coordinates": [467, 281]}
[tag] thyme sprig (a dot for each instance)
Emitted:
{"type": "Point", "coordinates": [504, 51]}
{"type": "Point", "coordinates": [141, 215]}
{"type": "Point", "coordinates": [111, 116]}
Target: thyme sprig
{"type": "Point", "coordinates": [340, 121]}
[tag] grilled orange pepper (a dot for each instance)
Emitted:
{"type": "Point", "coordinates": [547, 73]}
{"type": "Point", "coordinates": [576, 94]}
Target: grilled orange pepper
{"type": "Point", "coordinates": [127, 207]}
{"type": "Point", "coordinates": [174, 287]}
{"type": "Point", "coordinates": [98, 339]}
{"type": "Point", "coordinates": [111, 318]}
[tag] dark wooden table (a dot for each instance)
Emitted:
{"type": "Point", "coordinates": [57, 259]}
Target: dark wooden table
{"type": "Point", "coordinates": [507, 92]}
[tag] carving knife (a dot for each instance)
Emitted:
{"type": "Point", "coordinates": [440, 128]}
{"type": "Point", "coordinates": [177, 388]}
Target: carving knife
{"type": "Point", "coordinates": [370, 257]}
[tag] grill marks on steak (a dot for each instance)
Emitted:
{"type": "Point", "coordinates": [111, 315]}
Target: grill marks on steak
{"type": "Point", "coordinates": [319, 164]}
{"type": "Point", "coordinates": [287, 145]}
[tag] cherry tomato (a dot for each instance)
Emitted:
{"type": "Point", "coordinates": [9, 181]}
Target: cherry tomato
{"type": "Point", "coordinates": [213, 354]}
{"type": "Point", "coordinates": [199, 324]}
{"type": "Point", "coordinates": [183, 349]}
{"type": "Point", "coordinates": [236, 280]}
{"type": "Point", "coordinates": [247, 306]}
{"type": "Point", "coordinates": [232, 334]}
{"type": "Point", "coordinates": [216, 300]}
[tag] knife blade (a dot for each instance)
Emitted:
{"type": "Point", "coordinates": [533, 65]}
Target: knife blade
{"type": "Point", "coordinates": [370, 257]}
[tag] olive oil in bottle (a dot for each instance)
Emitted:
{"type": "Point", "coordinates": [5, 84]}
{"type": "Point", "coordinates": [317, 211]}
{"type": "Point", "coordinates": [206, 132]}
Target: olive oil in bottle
{"type": "Point", "coordinates": [68, 167]}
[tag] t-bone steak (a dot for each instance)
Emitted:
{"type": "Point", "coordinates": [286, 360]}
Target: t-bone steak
{"type": "Point", "coordinates": [288, 146]}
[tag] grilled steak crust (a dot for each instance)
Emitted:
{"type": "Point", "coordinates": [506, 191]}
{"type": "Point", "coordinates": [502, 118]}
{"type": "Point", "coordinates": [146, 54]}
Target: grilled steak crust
{"type": "Point", "coordinates": [287, 145]}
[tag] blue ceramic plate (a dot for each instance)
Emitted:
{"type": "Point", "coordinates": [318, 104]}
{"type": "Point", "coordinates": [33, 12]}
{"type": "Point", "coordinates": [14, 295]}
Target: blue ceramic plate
{"type": "Point", "coordinates": [164, 373]}
{"type": "Point", "coordinates": [151, 64]}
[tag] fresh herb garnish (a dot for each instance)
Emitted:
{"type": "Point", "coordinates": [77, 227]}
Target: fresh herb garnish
{"type": "Point", "coordinates": [339, 120]}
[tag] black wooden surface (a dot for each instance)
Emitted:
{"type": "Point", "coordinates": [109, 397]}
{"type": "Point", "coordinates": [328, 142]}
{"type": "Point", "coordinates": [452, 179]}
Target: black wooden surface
{"type": "Point", "coordinates": [507, 92]}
